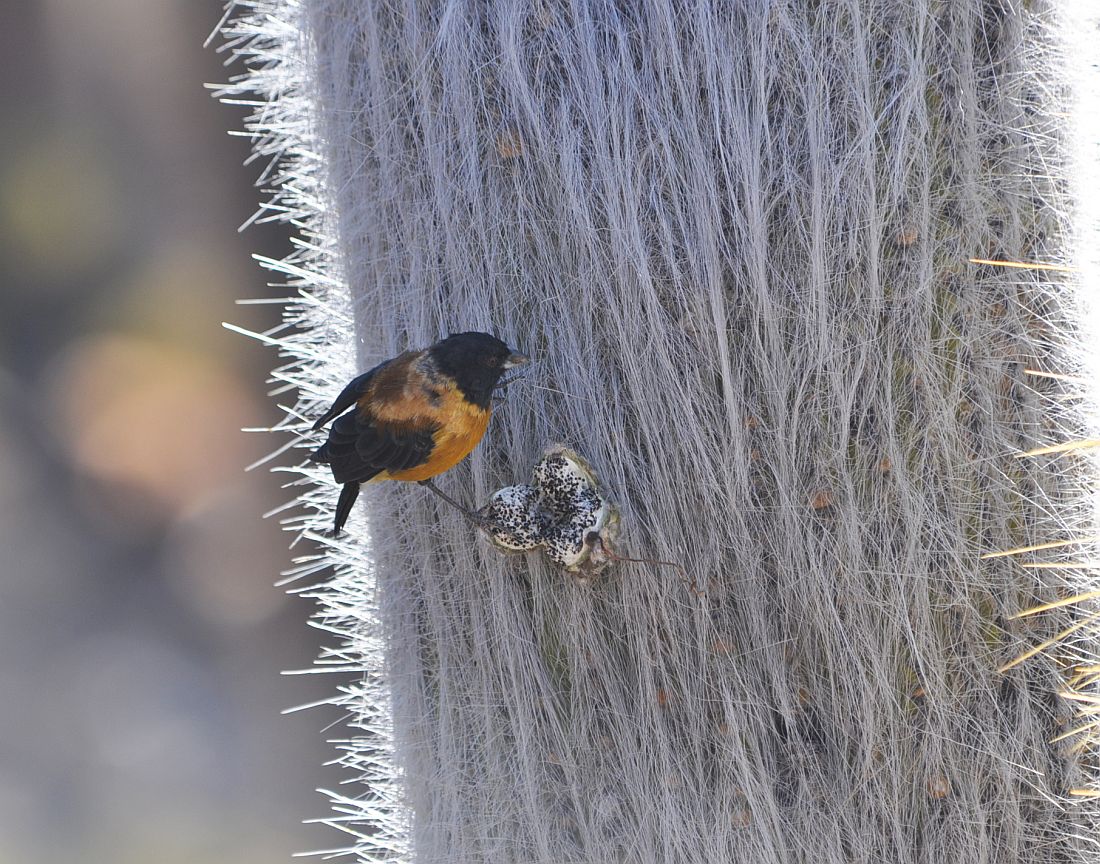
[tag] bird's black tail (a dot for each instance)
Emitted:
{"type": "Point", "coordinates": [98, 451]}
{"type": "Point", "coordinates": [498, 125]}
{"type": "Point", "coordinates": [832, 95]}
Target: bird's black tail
{"type": "Point", "coordinates": [343, 507]}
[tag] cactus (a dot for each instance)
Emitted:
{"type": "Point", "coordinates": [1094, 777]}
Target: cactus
{"type": "Point", "coordinates": [795, 278]}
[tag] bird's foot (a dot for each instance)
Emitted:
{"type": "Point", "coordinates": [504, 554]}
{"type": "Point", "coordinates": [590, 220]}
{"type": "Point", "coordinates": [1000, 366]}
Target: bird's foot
{"type": "Point", "coordinates": [498, 391]}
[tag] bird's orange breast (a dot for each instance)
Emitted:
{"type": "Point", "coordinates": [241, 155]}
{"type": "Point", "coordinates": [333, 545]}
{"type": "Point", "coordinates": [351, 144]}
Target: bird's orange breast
{"type": "Point", "coordinates": [452, 445]}
{"type": "Point", "coordinates": [460, 425]}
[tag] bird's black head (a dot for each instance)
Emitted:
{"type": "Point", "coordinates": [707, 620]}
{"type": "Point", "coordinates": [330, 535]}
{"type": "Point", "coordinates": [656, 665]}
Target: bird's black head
{"type": "Point", "coordinates": [475, 361]}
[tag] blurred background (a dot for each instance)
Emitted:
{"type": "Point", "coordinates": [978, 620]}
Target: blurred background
{"type": "Point", "coordinates": [141, 637]}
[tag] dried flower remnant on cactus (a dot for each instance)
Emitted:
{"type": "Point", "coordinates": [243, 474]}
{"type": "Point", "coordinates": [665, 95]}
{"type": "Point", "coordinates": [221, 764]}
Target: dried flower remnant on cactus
{"type": "Point", "coordinates": [563, 512]}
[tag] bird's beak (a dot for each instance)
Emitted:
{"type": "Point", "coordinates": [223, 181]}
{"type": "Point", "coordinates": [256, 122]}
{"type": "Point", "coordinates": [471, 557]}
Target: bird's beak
{"type": "Point", "coordinates": [516, 359]}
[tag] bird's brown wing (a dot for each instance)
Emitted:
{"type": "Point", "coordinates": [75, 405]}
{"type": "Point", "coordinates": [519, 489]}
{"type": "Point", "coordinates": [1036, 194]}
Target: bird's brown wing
{"type": "Point", "coordinates": [381, 427]}
{"type": "Point", "coordinates": [358, 387]}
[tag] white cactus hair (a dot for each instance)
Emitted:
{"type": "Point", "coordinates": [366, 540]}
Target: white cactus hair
{"type": "Point", "coordinates": [737, 238]}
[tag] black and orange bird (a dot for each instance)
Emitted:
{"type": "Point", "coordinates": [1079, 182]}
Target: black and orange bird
{"type": "Point", "coordinates": [414, 416]}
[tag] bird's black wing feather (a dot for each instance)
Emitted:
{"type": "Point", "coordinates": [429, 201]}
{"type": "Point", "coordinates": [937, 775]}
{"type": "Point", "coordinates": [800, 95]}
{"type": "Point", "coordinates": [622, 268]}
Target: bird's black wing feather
{"type": "Point", "coordinates": [348, 396]}
{"type": "Point", "coordinates": [359, 447]}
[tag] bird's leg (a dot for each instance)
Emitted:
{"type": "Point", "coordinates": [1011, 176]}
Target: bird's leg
{"type": "Point", "coordinates": [476, 519]}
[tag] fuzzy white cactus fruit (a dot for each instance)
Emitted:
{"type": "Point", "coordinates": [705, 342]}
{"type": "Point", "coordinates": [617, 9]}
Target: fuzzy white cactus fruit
{"type": "Point", "coordinates": [514, 517]}
{"type": "Point", "coordinates": [562, 512]}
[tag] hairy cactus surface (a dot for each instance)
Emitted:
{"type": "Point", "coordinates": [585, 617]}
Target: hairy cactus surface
{"type": "Point", "coordinates": [795, 278]}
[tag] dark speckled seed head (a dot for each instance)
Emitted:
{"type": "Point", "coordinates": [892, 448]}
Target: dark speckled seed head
{"type": "Point", "coordinates": [562, 511]}
{"type": "Point", "coordinates": [559, 481]}
{"type": "Point", "coordinates": [476, 361]}
{"type": "Point", "coordinates": [516, 521]}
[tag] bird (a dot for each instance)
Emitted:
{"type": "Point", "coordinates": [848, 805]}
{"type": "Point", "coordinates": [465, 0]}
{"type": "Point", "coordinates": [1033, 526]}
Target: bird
{"type": "Point", "coordinates": [413, 416]}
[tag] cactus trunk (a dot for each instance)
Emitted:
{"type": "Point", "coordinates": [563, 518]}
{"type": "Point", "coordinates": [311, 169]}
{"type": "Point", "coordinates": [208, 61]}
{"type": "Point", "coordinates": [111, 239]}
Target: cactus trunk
{"type": "Point", "coordinates": [736, 239]}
